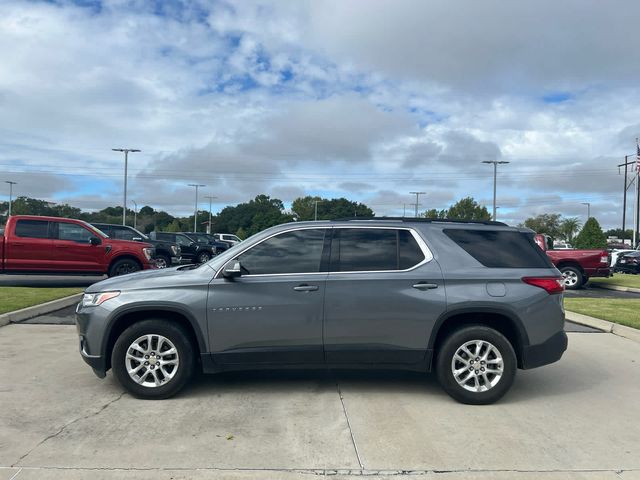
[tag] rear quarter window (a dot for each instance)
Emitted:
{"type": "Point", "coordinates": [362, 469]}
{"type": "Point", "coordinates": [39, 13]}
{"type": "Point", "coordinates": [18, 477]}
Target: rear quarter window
{"type": "Point", "coordinates": [499, 248]}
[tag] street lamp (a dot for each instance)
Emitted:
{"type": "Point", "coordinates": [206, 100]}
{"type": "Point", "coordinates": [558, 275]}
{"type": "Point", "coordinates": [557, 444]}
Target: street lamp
{"type": "Point", "coordinates": [135, 214]}
{"type": "Point", "coordinates": [126, 158]}
{"type": "Point", "coordinates": [495, 176]}
{"type": "Point", "coordinates": [11, 184]}
{"type": "Point", "coordinates": [417, 194]}
{"type": "Point", "coordinates": [588, 209]}
{"type": "Point", "coordinates": [195, 211]}
{"type": "Point", "coordinates": [210, 197]}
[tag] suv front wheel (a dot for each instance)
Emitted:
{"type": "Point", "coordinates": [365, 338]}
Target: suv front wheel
{"type": "Point", "coordinates": [153, 359]}
{"type": "Point", "coordinates": [476, 365]}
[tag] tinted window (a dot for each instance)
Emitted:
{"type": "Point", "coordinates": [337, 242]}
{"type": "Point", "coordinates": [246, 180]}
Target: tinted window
{"type": "Point", "coordinates": [408, 250]}
{"type": "Point", "coordinates": [73, 232]}
{"type": "Point", "coordinates": [181, 240]}
{"type": "Point", "coordinates": [32, 229]}
{"type": "Point", "coordinates": [364, 249]}
{"type": "Point", "coordinates": [291, 252]}
{"type": "Point", "coordinates": [500, 249]}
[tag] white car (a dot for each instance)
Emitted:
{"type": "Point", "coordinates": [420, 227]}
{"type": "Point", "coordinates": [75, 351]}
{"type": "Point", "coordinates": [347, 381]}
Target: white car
{"type": "Point", "coordinates": [227, 237]}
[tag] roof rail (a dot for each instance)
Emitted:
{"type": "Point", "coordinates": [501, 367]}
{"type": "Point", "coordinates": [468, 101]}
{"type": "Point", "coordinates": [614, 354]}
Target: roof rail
{"type": "Point", "coordinates": [423, 220]}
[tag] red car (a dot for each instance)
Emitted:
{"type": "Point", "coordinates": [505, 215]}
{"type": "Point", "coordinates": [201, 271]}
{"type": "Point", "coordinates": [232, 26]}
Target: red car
{"type": "Point", "coordinates": [576, 266]}
{"type": "Point", "coordinates": [33, 244]}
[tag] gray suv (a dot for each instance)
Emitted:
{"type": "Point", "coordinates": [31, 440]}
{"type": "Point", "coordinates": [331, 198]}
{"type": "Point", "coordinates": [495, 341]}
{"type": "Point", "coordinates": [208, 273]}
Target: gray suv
{"type": "Point", "coordinates": [473, 301]}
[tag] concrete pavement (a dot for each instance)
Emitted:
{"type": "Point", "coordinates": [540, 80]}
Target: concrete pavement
{"type": "Point", "coordinates": [573, 419]}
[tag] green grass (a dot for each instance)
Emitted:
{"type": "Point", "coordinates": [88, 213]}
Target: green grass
{"type": "Point", "coordinates": [625, 311]}
{"type": "Point", "coordinates": [620, 279]}
{"type": "Point", "coordinates": [15, 298]}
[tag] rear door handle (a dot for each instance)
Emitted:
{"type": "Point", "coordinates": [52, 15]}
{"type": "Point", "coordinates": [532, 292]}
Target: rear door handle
{"type": "Point", "coordinates": [17, 244]}
{"type": "Point", "coordinates": [306, 288]}
{"type": "Point", "coordinates": [425, 286]}
{"type": "Point", "coordinates": [62, 246]}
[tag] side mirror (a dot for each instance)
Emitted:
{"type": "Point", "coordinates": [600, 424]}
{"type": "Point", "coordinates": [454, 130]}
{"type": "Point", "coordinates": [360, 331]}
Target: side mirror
{"type": "Point", "coordinates": [232, 270]}
{"type": "Point", "coordinates": [95, 241]}
{"type": "Point", "coordinates": [137, 239]}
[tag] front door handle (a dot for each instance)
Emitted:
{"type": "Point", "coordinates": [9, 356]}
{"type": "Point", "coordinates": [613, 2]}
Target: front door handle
{"type": "Point", "coordinates": [306, 288]}
{"type": "Point", "coordinates": [425, 286]}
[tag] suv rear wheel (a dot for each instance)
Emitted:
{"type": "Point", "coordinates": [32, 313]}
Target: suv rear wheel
{"type": "Point", "coordinates": [153, 359]}
{"type": "Point", "coordinates": [476, 365]}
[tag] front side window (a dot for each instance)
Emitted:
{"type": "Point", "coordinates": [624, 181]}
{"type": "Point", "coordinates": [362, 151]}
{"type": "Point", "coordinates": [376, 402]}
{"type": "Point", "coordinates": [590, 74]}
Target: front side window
{"type": "Point", "coordinates": [181, 240]}
{"type": "Point", "coordinates": [32, 229]}
{"type": "Point", "coordinates": [299, 251]}
{"type": "Point", "coordinates": [124, 234]}
{"type": "Point", "coordinates": [372, 249]}
{"type": "Point", "coordinates": [74, 233]}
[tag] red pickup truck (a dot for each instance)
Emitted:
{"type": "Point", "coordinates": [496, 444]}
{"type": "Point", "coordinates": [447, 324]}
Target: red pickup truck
{"type": "Point", "coordinates": [576, 266]}
{"type": "Point", "coordinates": [32, 244]}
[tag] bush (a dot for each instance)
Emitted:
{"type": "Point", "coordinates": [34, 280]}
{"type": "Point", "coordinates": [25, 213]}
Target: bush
{"type": "Point", "coordinates": [591, 236]}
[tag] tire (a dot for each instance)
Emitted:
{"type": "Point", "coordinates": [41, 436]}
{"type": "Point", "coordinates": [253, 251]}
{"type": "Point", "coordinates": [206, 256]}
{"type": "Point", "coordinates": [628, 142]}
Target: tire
{"type": "Point", "coordinates": [169, 378]}
{"type": "Point", "coordinates": [585, 280]}
{"type": "Point", "coordinates": [480, 388]}
{"type": "Point", "coordinates": [204, 257]}
{"type": "Point", "coordinates": [124, 266]}
{"type": "Point", "coordinates": [163, 261]}
{"type": "Point", "coordinates": [572, 277]}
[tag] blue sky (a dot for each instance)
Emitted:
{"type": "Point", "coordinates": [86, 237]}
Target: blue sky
{"type": "Point", "coordinates": [363, 99]}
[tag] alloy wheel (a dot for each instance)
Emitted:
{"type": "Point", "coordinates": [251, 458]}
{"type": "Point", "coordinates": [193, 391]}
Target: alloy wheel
{"type": "Point", "coordinates": [477, 366]}
{"type": "Point", "coordinates": [152, 360]}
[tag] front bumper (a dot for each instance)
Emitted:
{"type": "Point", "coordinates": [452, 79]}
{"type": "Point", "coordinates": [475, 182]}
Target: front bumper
{"type": "Point", "coordinates": [544, 353]}
{"type": "Point", "coordinates": [90, 338]}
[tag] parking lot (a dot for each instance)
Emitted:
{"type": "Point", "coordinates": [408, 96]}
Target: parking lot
{"type": "Point", "coordinates": [573, 419]}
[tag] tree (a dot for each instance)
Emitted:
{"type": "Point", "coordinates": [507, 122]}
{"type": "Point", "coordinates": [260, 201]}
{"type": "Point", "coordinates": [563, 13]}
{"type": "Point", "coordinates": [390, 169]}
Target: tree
{"type": "Point", "coordinates": [464, 209]}
{"type": "Point", "coordinates": [253, 216]}
{"type": "Point", "coordinates": [569, 227]}
{"type": "Point", "coordinates": [591, 236]}
{"type": "Point", "coordinates": [619, 233]}
{"type": "Point", "coordinates": [328, 209]}
{"type": "Point", "coordinates": [468, 209]}
{"type": "Point", "coordinates": [547, 223]}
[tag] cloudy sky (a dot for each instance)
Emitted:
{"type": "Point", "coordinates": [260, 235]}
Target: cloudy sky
{"type": "Point", "coordinates": [365, 99]}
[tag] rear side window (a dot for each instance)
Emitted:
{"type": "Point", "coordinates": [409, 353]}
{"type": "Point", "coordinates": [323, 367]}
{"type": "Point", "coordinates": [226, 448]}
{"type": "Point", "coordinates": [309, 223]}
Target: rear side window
{"type": "Point", "coordinates": [500, 249]}
{"type": "Point", "coordinates": [32, 229]}
{"type": "Point", "coordinates": [372, 249]}
{"type": "Point", "coordinates": [299, 251]}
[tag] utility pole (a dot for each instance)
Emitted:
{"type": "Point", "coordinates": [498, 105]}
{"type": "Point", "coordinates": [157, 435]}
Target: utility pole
{"type": "Point", "coordinates": [495, 178]}
{"type": "Point", "coordinates": [588, 209]}
{"type": "Point", "coordinates": [195, 211]}
{"type": "Point", "coordinates": [126, 158]}
{"type": "Point", "coordinates": [210, 197]}
{"type": "Point", "coordinates": [11, 184]}
{"type": "Point", "coordinates": [624, 191]}
{"type": "Point", "coordinates": [135, 214]}
{"type": "Point", "coordinates": [417, 194]}
{"type": "Point", "coordinates": [404, 210]}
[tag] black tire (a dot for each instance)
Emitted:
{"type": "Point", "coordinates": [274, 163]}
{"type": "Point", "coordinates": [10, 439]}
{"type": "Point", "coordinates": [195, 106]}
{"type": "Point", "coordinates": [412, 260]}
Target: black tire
{"type": "Point", "coordinates": [124, 266]}
{"type": "Point", "coordinates": [585, 280]}
{"type": "Point", "coordinates": [204, 257]}
{"type": "Point", "coordinates": [445, 358]}
{"type": "Point", "coordinates": [172, 332]}
{"type": "Point", "coordinates": [163, 261]}
{"type": "Point", "coordinates": [572, 277]}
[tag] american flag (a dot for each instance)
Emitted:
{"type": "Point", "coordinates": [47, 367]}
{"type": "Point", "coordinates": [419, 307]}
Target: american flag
{"type": "Point", "coordinates": [637, 156]}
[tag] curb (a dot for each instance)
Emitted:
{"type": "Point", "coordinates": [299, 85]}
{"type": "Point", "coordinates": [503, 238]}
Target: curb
{"type": "Point", "coordinates": [604, 325]}
{"type": "Point", "coordinates": [616, 288]}
{"type": "Point", "coordinates": [36, 310]}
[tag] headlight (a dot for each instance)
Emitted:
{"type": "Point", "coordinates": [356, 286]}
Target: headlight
{"type": "Point", "coordinates": [175, 249]}
{"type": "Point", "coordinates": [95, 299]}
{"type": "Point", "coordinates": [148, 252]}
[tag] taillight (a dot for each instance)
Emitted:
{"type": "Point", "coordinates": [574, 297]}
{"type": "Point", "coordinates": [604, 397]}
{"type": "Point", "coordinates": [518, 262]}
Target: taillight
{"type": "Point", "coordinates": [550, 284]}
{"type": "Point", "coordinates": [604, 259]}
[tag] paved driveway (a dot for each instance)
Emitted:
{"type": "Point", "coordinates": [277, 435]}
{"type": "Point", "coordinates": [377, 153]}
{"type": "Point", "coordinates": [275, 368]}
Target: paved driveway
{"type": "Point", "coordinates": [575, 419]}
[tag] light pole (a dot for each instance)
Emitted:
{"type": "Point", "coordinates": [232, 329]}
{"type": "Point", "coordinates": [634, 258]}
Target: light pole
{"type": "Point", "coordinates": [417, 194]}
{"type": "Point", "coordinates": [126, 159]}
{"type": "Point", "coordinates": [11, 184]}
{"type": "Point", "coordinates": [315, 215]}
{"type": "Point", "coordinates": [210, 197]}
{"type": "Point", "coordinates": [135, 213]}
{"type": "Point", "coordinates": [588, 209]}
{"type": "Point", "coordinates": [195, 211]}
{"type": "Point", "coordinates": [495, 177]}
